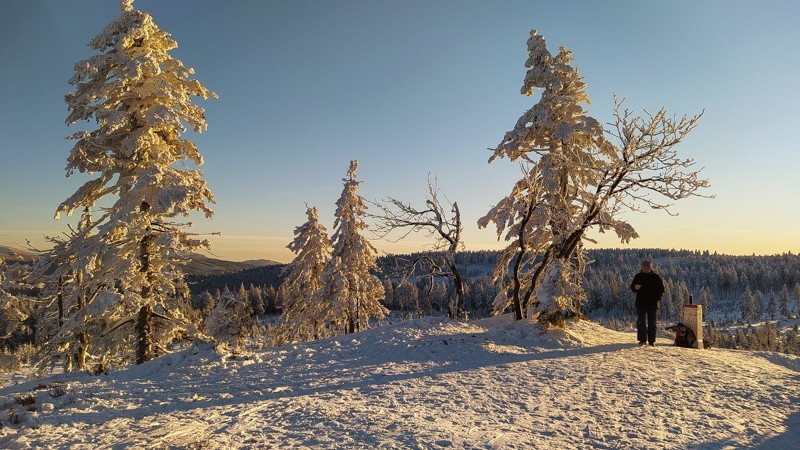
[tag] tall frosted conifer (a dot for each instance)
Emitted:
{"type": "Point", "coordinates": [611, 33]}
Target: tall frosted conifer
{"type": "Point", "coordinates": [354, 293]}
{"type": "Point", "coordinates": [140, 98]}
{"type": "Point", "coordinates": [305, 312]}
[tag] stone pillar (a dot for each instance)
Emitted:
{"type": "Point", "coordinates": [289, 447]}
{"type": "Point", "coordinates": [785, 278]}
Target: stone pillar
{"type": "Point", "coordinates": [693, 318]}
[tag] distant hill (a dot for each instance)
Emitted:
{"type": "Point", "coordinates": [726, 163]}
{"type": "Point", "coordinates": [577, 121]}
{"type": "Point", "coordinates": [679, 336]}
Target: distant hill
{"type": "Point", "coordinates": [16, 254]}
{"type": "Point", "coordinates": [204, 265]}
{"type": "Point", "coordinates": [200, 264]}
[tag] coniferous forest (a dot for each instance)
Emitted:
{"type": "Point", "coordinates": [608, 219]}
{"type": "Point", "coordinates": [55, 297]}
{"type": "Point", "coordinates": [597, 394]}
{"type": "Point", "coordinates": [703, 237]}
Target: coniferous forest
{"type": "Point", "coordinates": [746, 299]}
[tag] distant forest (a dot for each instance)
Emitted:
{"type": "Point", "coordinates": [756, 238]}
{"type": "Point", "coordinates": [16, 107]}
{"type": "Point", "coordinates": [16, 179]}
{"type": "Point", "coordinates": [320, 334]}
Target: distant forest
{"type": "Point", "coordinates": [735, 291]}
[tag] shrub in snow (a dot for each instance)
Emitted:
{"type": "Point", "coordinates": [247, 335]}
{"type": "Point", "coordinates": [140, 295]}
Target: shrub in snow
{"type": "Point", "coordinates": [230, 322]}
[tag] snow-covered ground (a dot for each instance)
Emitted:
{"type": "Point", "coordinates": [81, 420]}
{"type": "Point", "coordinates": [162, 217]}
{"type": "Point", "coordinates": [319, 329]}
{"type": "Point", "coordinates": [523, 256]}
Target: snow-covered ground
{"type": "Point", "coordinates": [426, 383]}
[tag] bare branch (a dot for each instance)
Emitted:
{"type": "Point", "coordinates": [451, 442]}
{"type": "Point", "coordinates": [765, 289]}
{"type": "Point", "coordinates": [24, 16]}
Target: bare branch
{"type": "Point", "coordinates": [433, 221]}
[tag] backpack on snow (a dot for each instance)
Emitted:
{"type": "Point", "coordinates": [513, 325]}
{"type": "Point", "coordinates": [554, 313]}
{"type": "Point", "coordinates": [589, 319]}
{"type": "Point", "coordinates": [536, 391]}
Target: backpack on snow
{"type": "Point", "coordinates": [684, 336]}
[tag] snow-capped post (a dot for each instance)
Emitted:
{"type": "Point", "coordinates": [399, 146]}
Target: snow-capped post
{"type": "Point", "coordinates": [140, 97]}
{"type": "Point", "coordinates": [574, 179]}
{"type": "Point", "coordinates": [693, 318]}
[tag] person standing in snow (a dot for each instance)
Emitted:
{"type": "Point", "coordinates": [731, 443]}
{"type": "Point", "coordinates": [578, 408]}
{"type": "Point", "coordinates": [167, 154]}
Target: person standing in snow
{"type": "Point", "coordinates": [649, 289]}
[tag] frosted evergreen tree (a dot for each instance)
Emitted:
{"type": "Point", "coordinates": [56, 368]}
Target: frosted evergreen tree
{"type": "Point", "coordinates": [14, 309]}
{"type": "Point", "coordinates": [760, 304]}
{"type": "Point", "coordinates": [256, 296]}
{"type": "Point", "coordinates": [667, 309]}
{"type": "Point", "coordinates": [244, 295]}
{"type": "Point", "coordinates": [772, 307]}
{"type": "Point", "coordinates": [230, 321]}
{"type": "Point", "coordinates": [354, 293]}
{"type": "Point", "coordinates": [407, 296]}
{"type": "Point", "coordinates": [749, 307]}
{"type": "Point", "coordinates": [304, 312]}
{"type": "Point", "coordinates": [65, 330]}
{"type": "Point", "coordinates": [388, 293]}
{"type": "Point", "coordinates": [575, 179]}
{"type": "Point", "coordinates": [705, 298]}
{"type": "Point", "coordinates": [784, 305]}
{"type": "Point", "coordinates": [796, 297]}
{"type": "Point", "coordinates": [140, 98]}
{"type": "Point", "coordinates": [681, 297]}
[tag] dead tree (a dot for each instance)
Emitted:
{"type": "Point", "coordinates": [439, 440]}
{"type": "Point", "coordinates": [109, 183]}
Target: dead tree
{"type": "Point", "coordinates": [434, 222]}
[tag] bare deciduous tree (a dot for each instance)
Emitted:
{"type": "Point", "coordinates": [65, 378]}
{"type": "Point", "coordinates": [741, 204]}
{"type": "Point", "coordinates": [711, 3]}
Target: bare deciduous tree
{"type": "Point", "coordinates": [434, 222]}
{"type": "Point", "coordinates": [575, 178]}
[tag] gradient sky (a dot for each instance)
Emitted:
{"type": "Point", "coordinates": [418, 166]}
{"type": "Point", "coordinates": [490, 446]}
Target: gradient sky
{"type": "Point", "coordinates": [416, 87]}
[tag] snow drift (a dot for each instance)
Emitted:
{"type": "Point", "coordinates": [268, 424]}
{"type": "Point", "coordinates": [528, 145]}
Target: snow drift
{"type": "Point", "coordinates": [425, 383]}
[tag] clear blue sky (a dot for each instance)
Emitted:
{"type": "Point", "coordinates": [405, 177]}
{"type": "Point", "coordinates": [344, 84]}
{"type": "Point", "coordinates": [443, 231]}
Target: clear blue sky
{"type": "Point", "coordinates": [412, 87]}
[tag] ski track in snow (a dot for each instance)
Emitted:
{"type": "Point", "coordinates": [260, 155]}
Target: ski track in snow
{"type": "Point", "coordinates": [426, 383]}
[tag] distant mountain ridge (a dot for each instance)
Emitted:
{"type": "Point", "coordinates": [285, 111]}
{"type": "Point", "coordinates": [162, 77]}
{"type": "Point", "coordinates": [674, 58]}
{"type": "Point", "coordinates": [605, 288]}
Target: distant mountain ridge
{"type": "Point", "coordinates": [16, 254]}
{"type": "Point", "coordinates": [204, 265]}
{"type": "Point", "coordinates": [199, 265]}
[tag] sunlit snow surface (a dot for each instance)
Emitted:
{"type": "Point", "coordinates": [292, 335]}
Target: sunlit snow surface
{"type": "Point", "coordinates": [426, 383]}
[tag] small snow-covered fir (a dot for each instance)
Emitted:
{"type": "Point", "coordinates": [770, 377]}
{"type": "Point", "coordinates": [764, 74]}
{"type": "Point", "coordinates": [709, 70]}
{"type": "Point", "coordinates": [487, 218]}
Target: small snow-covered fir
{"type": "Point", "coordinates": [347, 283]}
{"type": "Point", "coordinates": [230, 321]}
{"type": "Point", "coordinates": [305, 313]}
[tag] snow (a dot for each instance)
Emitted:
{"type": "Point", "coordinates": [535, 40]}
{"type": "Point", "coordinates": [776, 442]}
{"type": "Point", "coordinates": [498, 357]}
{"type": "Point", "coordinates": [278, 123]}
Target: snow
{"type": "Point", "coordinates": [424, 383]}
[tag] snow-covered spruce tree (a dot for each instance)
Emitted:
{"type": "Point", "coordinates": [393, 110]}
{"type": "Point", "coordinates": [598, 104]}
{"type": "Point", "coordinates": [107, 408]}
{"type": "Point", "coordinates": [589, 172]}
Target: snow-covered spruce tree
{"type": "Point", "coordinates": [784, 305]}
{"type": "Point", "coordinates": [230, 322]}
{"type": "Point", "coordinates": [304, 312]}
{"type": "Point", "coordinates": [140, 97]}
{"type": "Point", "coordinates": [353, 292]}
{"type": "Point", "coordinates": [15, 308]}
{"type": "Point", "coordinates": [64, 328]}
{"type": "Point", "coordinates": [574, 179]}
{"type": "Point", "coordinates": [796, 297]}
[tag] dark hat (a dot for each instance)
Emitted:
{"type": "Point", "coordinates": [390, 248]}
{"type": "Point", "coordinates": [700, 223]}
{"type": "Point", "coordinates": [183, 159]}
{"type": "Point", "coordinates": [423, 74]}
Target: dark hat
{"type": "Point", "coordinates": [647, 264]}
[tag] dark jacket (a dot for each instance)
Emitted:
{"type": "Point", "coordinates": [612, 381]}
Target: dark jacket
{"type": "Point", "coordinates": [648, 296]}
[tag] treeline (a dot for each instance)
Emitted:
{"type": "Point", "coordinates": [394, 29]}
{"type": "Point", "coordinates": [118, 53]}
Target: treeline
{"type": "Point", "coordinates": [734, 290]}
{"type": "Point", "coordinates": [731, 288]}
{"type": "Point", "coordinates": [766, 337]}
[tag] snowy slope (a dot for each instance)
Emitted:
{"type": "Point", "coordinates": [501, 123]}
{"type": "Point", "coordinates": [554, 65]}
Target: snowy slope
{"type": "Point", "coordinates": [427, 383]}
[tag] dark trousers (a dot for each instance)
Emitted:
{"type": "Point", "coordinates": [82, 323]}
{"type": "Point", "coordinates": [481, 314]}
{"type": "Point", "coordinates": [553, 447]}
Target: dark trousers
{"type": "Point", "coordinates": [646, 325]}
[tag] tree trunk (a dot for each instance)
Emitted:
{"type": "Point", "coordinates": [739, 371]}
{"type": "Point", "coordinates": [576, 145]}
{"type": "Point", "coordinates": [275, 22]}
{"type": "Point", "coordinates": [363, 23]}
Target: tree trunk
{"type": "Point", "coordinates": [80, 355]}
{"type": "Point", "coordinates": [60, 301]}
{"type": "Point", "coordinates": [520, 309]}
{"type": "Point", "coordinates": [144, 341]}
{"type": "Point", "coordinates": [358, 315]}
{"type": "Point", "coordinates": [535, 279]}
{"type": "Point", "coordinates": [144, 325]}
{"type": "Point", "coordinates": [458, 282]}
{"type": "Point", "coordinates": [518, 284]}
{"type": "Point", "coordinates": [428, 306]}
